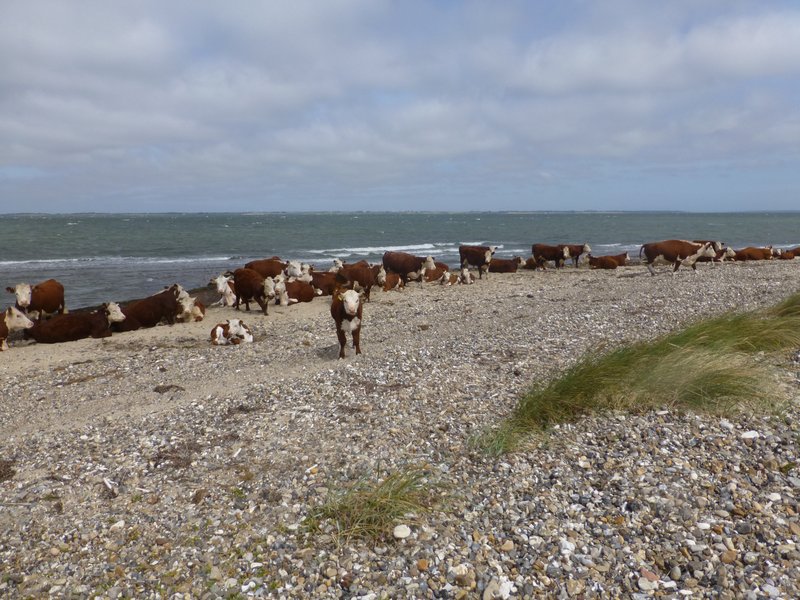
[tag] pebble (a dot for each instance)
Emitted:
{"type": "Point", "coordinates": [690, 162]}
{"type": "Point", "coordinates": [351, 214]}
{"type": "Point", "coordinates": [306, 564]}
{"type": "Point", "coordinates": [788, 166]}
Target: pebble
{"type": "Point", "coordinates": [401, 532]}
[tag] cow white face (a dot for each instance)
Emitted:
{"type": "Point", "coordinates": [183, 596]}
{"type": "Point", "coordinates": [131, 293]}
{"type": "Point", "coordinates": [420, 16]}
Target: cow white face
{"type": "Point", "coordinates": [113, 312]}
{"type": "Point", "coordinates": [381, 278]}
{"type": "Point", "coordinates": [565, 252]}
{"type": "Point", "coordinates": [16, 320]}
{"type": "Point", "coordinates": [466, 276]}
{"type": "Point", "coordinates": [187, 309]}
{"type": "Point", "coordinates": [239, 330]}
{"type": "Point", "coordinates": [520, 261]}
{"type": "Point", "coordinates": [429, 263]}
{"type": "Point", "coordinates": [487, 257]}
{"type": "Point", "coordinates": [293, 269]}
{"type": "Point", "coordinates": [729, 253]}
{"type": "Point", "coordinates": [587, 248]}
{"type": "Point", "coordinates": [350, 301]}
{"type": "Point", "coordinates": [22, 292]}
{"type": "Point", "coordinates": [445, 278]}
{"type": "Point", "coordinates": [220, 282]}
{"type": "Point", "coordinates": [337, 264]}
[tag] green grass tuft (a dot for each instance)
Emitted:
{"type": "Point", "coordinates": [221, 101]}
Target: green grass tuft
{"type": "Point", "coordinates": [370, 508]}
{"type": "Point", "coordinates": [708, 366]}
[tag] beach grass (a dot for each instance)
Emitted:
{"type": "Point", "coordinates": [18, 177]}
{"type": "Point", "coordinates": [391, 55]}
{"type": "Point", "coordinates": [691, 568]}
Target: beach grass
{"type": "Point", "coordinates": [370, 508]}
{"type": "Point", "coordinates": [715, 365]}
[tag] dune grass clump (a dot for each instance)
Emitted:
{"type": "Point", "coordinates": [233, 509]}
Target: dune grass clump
{"type": "Point", "coordinates": [370, 508]}
{"type": "Point", "coordinates": [708, 366]}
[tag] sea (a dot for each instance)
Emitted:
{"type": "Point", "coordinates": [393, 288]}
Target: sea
{"type": "Point", "coordinates": [118, 257]}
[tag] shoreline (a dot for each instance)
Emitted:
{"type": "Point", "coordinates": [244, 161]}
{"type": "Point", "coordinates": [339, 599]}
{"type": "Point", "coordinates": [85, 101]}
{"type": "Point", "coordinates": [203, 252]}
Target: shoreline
{"type": "Point", "coordinates": [215, 472]}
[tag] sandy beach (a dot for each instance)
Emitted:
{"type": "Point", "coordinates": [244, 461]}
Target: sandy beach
{"type": "Point", "coordinates": [152, 465]}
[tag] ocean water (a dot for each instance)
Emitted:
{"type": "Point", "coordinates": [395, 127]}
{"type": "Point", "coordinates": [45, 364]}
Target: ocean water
{"type": "Point", "coordinates": [102, 257]}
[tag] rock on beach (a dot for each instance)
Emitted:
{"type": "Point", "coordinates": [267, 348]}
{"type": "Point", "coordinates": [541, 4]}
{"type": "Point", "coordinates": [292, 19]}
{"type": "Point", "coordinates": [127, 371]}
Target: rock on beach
{"type": "Point", "coordinates": [111, 488]}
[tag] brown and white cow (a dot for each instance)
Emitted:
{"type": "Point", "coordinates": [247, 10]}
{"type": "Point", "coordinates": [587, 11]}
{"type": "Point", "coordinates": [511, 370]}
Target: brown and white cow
{"type": "Point", "coordinates": [574, 251]}
{"type": "Point", "coordinates": [753, 253]}
{"type": "Point", "coordinates": [231, 332]}
{"type": "Point", "coordinates": [224, 286]}
{"type": "Point", "coordinates": [194, 311]}
{"type": "Point", "coordinates": [720, 256]}
{"type": "Point", "coordinates": [545, 252]}
{"type": "Point", "coordinates": [248, 285]}
{"type": "Point", "coordinates": [602, 262]}
{"type": "Point", "coordinates": [77, 326]}
{"type": "Point", "coordinates": [346, 310]}
{"type": "Point", "coordinates": [40, 299]}
{"type": "Point", "coordinates": [167, 305]}
{"type": "Point", "coordinates": [675, 252]}
{"type": "Point", "coordinates": [324, 282]}
{"type": "Point", "coordinates": [392, 281]}
{"type": "Point", "coordinates": [292, 292]}
{"type": "Point", "coordinates": [788, 255]}
{"type": "Point", "coordinates": [359, 274]}
{"type": "Point", "coordinates": [13, 320]}
{"type": "Point", "coordinates": [267, 267]}
{"type": "Point", "coordinates": [505, 265]}
{"type": "Point", "coordinates": [407, 266]}
{"type": "Point", "coordinates": [476, 256]}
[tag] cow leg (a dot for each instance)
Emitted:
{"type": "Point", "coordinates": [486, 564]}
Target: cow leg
{"type": "Point", "coordinates": [342, 341]}
{"type": "Point", "coordinates": [652, 270]}
{"type": "Point", "coordinates": [263, 304]}
{"type": "Point", "coordinates": [357, 340]}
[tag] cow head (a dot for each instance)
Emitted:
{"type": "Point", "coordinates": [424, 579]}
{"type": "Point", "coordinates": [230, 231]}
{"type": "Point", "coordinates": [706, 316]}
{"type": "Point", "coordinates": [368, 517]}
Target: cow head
{"type": "Point", "coordinates": [519, 260]}
{"type": "Point", "coordinates": [113, 312]}
{"type": "Point", "coordinates": [270, 287]}
{"type": "Point", "coordinates": [240, 331]}
{"type": "Point", "coordinates": [350, 302]}
{"type": "Point", "coordinates": [220, 283]}
{"type": "Point", "coordinates": [565, 252]}
{"type": "Point", "coordinates": [16, 319]}
{"type": "Point", "coordinates": [22, 292]}
{"type": "Point", "coordinates": [337, 264]}
{"type": "Point", "coordinates": [429, 263]}
{"type": "Point", "coordinates": [487, 257]}
{"type": "Point", "coordinates": [586, 248]}
{"type": "Point", "coordinates": [466, 277]}
{"type": "Point", "coordinates": [186, 310]}
{"type": "Point", "coordinates": [293, 269]}
{"type": "Point", "coordinates": [381, 276]}
{"type": "Point", "coordinates": [280, 294]}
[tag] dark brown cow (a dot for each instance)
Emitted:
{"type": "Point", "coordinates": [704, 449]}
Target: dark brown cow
{"type": "Point", "coordinates": [622, 258]}
{"type": "Point", "coordinates": [476, 256]}
{"type": "Point", "coordinates": [292, 292]}
{"type": "Point", "coordinates": [77, 326]}
{"type": "Point", "coordinates": [788, 255]}
{"type": "Point", "coordinates": [346, 310]}
{"type": "Point", "coordinates": [544, 252]}
{"type": "Point", "coordinates": [752, 253]}
{"type": "Point", "coordinates": [166, 305]}
{"type": "Point", "coordinates": [407, 266]}
{"type": "Point", "coordinates": [505, 265]}
{"type": "Point", "coordinates": [42, 298]}
{"type": "Point", "coordinates": [795, 251]}
{"type": "Point", "coordinates": [674, 252]}
{"type": "Point", "coordinates": [13, 320]}
{"type": "Point", "coordinates": [324, 282]}
{"type": "Point", "coordinates": [575, 251]}
{"type": "Point", "coordinates": [602, 262]}
{"type": "Point", "coordinates": [531, 264]}
{"type": "Point", "coordinates": [248, 285]}
{"type": "Point", "coordinates": [360, 273]}
{"type": "Point", "coordinates": [267, 267]}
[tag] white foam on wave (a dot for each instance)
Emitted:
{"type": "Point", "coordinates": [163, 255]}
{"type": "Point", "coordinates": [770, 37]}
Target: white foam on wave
{"type": "Point", "coordinates": [373, 249]}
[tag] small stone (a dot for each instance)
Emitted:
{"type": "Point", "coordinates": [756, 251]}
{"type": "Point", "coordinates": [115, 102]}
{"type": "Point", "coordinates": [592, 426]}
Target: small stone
{"type": "Point", "coordinates": [575, 587]}
{"type": "Point", "coordinates": [794, 528]}
{"type": "Point", "coordinates": [728, 557]}
{"type": "Point", "coordinates": [675, 573]}
{"type": "Point", "coordinates": [773, 497]}
{"type": "Point", "coordinates": [401, 532]}
{"type": "Point", "coordinates": [750, 435]}
{"type": "Point", "coordinates": [751, 558]}
{"type": "Point", "coordinates": [646, 585]}
{"type": "Point", "coordinates": [422, 564]}
{"type": "Point", "coordinates": [507, 546]}
{"type": "Point", "coordinates": [770, 590]}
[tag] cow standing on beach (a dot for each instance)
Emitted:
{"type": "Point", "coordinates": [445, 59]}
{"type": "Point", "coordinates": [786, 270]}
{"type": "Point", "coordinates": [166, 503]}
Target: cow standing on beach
{"type": "Point", "coordinates": [574, 251]}
{"type": "Point", "coordinates": [545, 252]}
{"type": "Point", "coordinates": [407, 266]}
{"type": "Point", "coordinates": [676, 253]}
{"type": "Point", "coordinates": [346, 310]}
{"type": "Point", "coordinates": [477, 256]}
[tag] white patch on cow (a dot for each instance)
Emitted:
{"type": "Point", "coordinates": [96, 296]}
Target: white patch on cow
{"type": "Point", "coordinates": [114, 312]}
{"type": "Point", "coordinates": [381, 277]}
{"type": "Point", "coordinates": [587, 248]}
{"type": "Point", "coordinates": [350, 301]}
{"type": "Point", "coordinates": [16, 320]}
{"type": "Point", "coordinates": [187, 309]}
{"type": "Point", "coordinates": [492, 249]}
{"type": "Point", "coordinates": [488, 255]}
{"type": "Point", "coordinates": [565, 253]}
{"type": "Point", "coordinates": [269, 288]}
{"type": "Point", "coordinates": [238, 329]}
{"type": "Point", "coordinates": [351, 325]}
{"type": "Point", "coordinates": [466, 277]}
{"type": "Point", "coordinates": [337, 264]}
{"type": "Point", "coordinates": [445, 278]}
{"type": "Point", "coordinates": [222, 285]}
{"type": "Point", "coordinates": [22, 293]}
{"type": "Point", "coordinates": [281, 293]}
{"type": "Point", "coordinates": [729, 253]}
{"type": "Point", "coordinates": [429, 263]}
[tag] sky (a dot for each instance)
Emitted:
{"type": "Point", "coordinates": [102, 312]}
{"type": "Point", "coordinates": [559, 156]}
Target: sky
{"type": "Point", "coordinates": [195, 106]}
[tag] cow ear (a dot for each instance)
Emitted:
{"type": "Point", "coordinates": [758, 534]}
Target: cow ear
{"type": "Point", "coordinates": [10, 290]}
{"type": "Point", "coordinates": [340, 296]}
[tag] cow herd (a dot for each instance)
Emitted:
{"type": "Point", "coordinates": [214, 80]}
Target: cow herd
{"type": "Point", "coordinates": [40, 310]}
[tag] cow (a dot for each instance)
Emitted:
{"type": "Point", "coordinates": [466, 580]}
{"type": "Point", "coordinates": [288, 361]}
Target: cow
{"type": "Point", "coordinates": [477, 256]}
{"type": "Point", "coordinates": [231, 332]}
{"type": "Point", "coordinates": [788, 255]}
{"type": "Point", "coordinates": [752, 253]}
{"type": "Point", "coordinates": [13, 320]}
{"type": "Point", "coordinates": [716, 245]}
{"type": "Point", "coordinates": [720, 256]}
{"type": "Point", "coordinates": [248, 285]}
{"type": "Point", "coordinates": [465, 277]}
{"type": "Point", "coordinates": [531, 264]}
{"type": "Point", "coordinates": [435, 275]}
{"type": "Point", "coordinates": [194, 311]}
{"type": "Point", "coordinates": [407, 266]}
{"type": "Point", "coordinates": [224, 286]}
{"type": "Point", "coordinates": [392, 281]}
{"type": "Point", "coordinates": [77, 326]}
{"type": "Point", "coordinates": [360, 273]}
{"type": "Point", "coordinates": [324, 283]}
{"type": "Point", "coordinates": [675, 252]}
{"type": "Point", "coordinates": [575, 251]}
{"type": "Point", "coordinates": [602, 262]}
{"type": "Point", "coordinates": [337, 264]}
{"type": "Point", "coordinates": [291, 292]}
{"type": "Point", "coordinates": [267, 267]}
{"type": "Point", "coordinates": [40, 299]}
{"type": "Point", "coordinates": [346, 310]}
{"type": "Point", "coordinates": [544, 252]}
{"type": "Point", "coordinates": [505, 265]}
{"type": "Point", "coordinates": [622, 259]}
{"type": "Point", "coordinates": [167, 305]}
{"type": "Point", "coordinates": [794, 251]}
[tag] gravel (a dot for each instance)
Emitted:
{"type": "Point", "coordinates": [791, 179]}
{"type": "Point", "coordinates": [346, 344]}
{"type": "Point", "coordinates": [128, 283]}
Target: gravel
{"type": "Point", "coordinates": [154, 465]}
